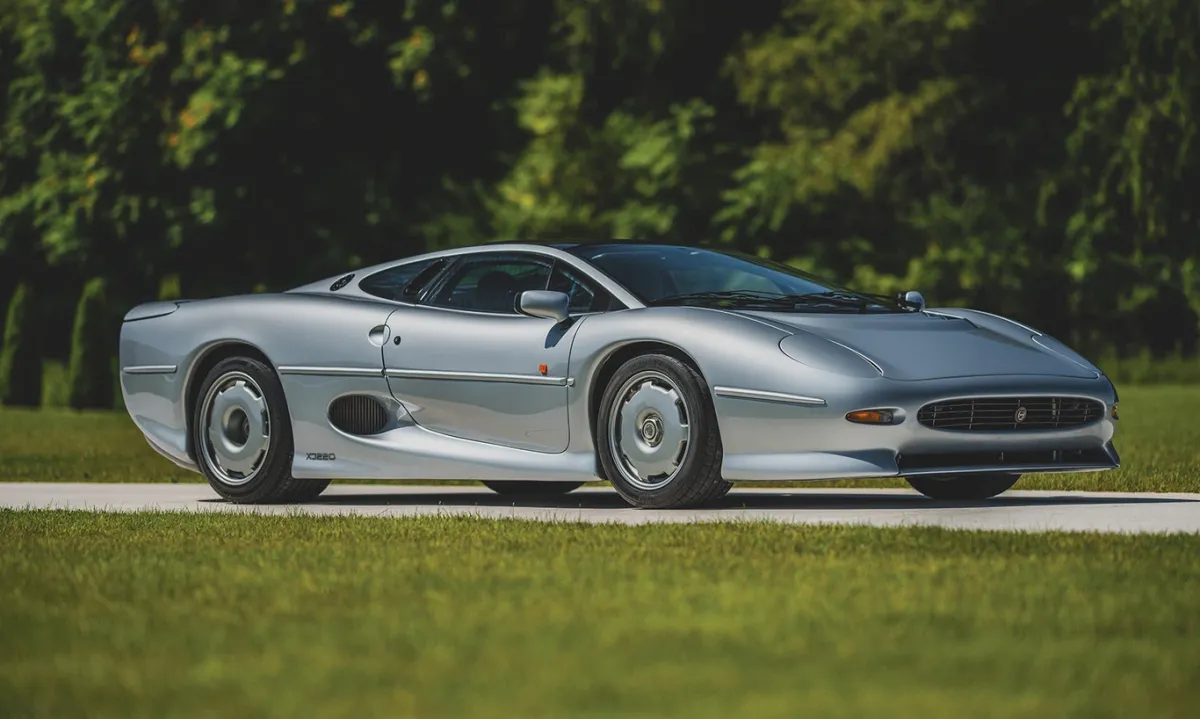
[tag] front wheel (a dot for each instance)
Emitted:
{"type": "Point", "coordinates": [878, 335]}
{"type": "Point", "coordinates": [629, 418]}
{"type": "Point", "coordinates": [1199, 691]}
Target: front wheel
{"type": "Point", "coordinates": [657, 435]}
{"type": "Point", "coordinates": [963, 486]}
{"type": "Point", "coordinates": [532, 489]}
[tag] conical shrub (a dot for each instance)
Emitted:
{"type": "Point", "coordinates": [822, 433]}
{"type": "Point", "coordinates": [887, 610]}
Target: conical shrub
{"type": "Point", "coordinates": [90, 373]}
{"type": "Point", "coordinates": [20, 356]}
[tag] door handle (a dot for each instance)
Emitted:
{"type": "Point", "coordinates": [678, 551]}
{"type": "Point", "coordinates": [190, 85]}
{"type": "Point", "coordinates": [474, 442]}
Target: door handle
{"type": "Point", "coordinates": [379, 335]}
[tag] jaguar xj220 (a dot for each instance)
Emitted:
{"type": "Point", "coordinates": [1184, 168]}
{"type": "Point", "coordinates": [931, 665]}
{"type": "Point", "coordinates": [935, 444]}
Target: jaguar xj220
{"type": "Point", "coordinates": [669, 371]}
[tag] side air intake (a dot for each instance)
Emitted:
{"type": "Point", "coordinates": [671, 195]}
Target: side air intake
{"type": "Point", "coordinates": [358, 414]}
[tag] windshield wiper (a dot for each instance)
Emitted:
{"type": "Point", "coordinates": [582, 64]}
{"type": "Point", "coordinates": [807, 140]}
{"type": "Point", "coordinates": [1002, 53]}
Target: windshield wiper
{"type": "Point", "coordinates": [844, 299]}
{"type": "Point", "coordinates": [773, 300]}
{"type": "Point", "coordinates": [731, 295]}
{"type": "Point", "coordinates": [726, 297]}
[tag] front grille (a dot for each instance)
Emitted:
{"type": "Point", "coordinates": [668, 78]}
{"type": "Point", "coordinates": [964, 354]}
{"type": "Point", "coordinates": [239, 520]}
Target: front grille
{"type": "Point", "coordinates": [358, 414]}
{"type": "Point", "coordinates": [999, 414]}
{"type": "Point", "coordinates": [1000, 458]}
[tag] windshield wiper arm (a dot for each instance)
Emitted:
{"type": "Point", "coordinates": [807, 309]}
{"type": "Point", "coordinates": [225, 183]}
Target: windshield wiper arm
{"type": "Point", "coordinates": [774, 300]}
{"type": "Point", "coordinates": [729, 296]}
{"type": "Point", "coordinates": [832, 297]}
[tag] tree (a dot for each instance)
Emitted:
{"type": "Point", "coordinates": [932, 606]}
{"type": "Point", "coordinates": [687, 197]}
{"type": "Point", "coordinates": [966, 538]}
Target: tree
{"type": "Point", "coordinates": [1133, 178]}
{"type": "Point", "coordinates": [20, 357]}
{"type": "Point", "coordinates": [90, 372]}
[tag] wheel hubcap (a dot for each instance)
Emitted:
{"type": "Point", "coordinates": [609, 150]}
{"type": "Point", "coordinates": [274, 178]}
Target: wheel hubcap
{"type": "Point", "coordinates": [649, 431]}
{"type": "Point", "coordinates": [237, 428]}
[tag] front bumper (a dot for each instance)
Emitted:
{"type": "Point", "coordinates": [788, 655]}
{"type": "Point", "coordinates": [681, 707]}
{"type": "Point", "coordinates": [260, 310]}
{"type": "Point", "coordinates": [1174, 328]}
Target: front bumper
{"type": "Point", "coordinates": [781, 442]}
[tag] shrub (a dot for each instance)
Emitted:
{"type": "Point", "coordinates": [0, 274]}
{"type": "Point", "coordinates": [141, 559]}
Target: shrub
{"type": "Point", "coordinates": [55, 387]}
{"type": "Point", "coordinates": [20, 357]}
{"type": "Point", "coordinates": [90, 373]}
{"type": "Point", "coordinates": [1143, 369]}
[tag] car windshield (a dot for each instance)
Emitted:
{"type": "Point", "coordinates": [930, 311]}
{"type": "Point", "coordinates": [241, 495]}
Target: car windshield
{"type": "Point", "coordinates": [671, 275]}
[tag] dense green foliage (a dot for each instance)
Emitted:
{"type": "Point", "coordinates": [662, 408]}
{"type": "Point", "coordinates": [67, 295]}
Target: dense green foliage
{"type": "Point", "coordinates": [20, 361]}
{"type": "Point", "coordinates": [1157, 440]}
{"type": "Point", "coordinates": [1034, 159]}
{"type": "Point", "coordinates": [90, 373]}
{"type": "Point", "coordinates": [155, 614]}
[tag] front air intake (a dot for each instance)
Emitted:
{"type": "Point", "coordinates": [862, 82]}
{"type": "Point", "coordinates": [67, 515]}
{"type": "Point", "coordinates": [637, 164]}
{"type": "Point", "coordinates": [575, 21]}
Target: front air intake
{"type": "Point", "coordinates": [358, 414]}
{"type": "Point", "coordinates": [1010, 414]}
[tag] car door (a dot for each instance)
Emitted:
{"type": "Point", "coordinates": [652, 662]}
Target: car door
{"type": "Point", "coordinates": [466, 364]}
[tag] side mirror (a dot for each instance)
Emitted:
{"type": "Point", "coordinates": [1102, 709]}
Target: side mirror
{"type": "Point", "coordinates": [913, 299]}
{"type": "Point", "coordinates": [544, 303]}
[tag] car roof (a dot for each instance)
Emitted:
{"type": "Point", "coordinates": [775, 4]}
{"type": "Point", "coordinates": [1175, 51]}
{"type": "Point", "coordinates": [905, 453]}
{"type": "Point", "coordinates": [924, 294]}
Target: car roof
{"type": "Point", "coordinates": [568, 244]}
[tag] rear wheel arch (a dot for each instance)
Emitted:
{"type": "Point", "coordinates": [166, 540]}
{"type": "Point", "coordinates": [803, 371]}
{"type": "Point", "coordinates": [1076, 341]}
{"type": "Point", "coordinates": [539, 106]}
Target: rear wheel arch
{"type": "Point", "coordinates": [200, 368]}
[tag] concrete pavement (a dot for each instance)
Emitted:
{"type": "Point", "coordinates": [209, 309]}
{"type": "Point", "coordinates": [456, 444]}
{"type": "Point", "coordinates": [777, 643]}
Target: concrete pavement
{"type": "Point", "coordinates": [1015, 510]}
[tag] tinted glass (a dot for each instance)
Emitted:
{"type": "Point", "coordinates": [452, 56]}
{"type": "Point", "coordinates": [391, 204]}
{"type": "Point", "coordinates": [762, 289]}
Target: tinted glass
{"type": "Point", "coordinates": [492, 284]}
{"type": "Point", "coordinates": [656, 273]}
{"type": "Point", "coordinates": [390, 284]}
{"type": "Point", "coordinates": [584, 296]}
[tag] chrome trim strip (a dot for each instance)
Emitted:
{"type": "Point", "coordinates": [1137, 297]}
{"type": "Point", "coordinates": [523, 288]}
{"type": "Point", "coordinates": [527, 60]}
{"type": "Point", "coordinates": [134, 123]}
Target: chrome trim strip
{"type": "Point", "coordinates": [150, 369]}
{"type": "Point", "coordinates": [333, 371]}
{"type": "Point", "coordinates": [475, 376]}
{"type": "Point", "coordinates": [764, 396]}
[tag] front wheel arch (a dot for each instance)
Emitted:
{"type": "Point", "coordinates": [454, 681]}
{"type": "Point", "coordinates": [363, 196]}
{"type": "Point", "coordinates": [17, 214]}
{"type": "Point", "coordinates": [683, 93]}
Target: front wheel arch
{"type": "Point", "coordinates": [691, 475]}
{"type": "Point", "coordinates": [608, 367]}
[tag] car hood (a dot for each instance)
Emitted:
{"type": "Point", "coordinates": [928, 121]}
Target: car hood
{"type": "Point", "coordinates": [920, 346]}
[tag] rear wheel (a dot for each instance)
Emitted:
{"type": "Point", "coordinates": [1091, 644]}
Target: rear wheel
{"type": "Point", "coordinates": [532, 489]}
{"type": "Point", "coordinates": [963, 486]}
{"type": "Point", "coordinates": [243, 438]}
{"type": "Point", "coordinates": [657, 435]}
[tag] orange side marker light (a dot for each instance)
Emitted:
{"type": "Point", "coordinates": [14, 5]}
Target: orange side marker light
{"type": "Point", "coordinates": [543, 368]}
{"type": "Point", "coordinates": [870, 416]}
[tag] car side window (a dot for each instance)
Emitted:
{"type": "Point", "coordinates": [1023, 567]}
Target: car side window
{"type": "Point", "coordinates": [584, 296]}
{"type": "Point", "coordinates": [492, 283]}
{"type": "Point", "coordinates": [401, 283]}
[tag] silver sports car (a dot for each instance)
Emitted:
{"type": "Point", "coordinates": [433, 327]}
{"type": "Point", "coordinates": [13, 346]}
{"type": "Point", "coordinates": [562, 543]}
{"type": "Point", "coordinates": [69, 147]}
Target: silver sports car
{"type": "Point", "coordinates": [669, 371]}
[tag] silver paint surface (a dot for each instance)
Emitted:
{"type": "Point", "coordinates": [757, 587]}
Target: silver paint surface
{"type": "Point", "coordinates": [469, 400]}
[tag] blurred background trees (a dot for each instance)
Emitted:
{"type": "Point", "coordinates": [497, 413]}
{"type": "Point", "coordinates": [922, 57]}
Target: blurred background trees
{"type": "Point", "coordinates": [1033, 159]}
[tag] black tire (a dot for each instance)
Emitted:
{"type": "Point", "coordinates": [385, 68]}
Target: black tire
{"type": "Point", "coordinates": [306, 490]}
{"type": "Point", "coordinates": [696, 479]}
{"type": "Point", "coordinates": [532, 489]}
{"type": "Point", "coordinates": [963, 486]}
{"type": "Point", "coordinates": [270, 480]}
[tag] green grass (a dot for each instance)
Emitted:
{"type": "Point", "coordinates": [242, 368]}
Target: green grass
{"type": "Point", "coordinates": [221, 615]}
{"type": "Point", "coordinates": [1157, 440]}
{"type": "Point", "coordinates": [58, 445]}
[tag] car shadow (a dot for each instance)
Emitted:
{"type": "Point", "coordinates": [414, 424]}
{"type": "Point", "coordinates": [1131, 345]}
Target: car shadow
{"type": "Point", "coordinates": [780, 500]}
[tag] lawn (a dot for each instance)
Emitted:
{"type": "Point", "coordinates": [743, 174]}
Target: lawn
{"type": "Point", "coordinates": [1157, 439]}
{"type": "Point", "coordinates": [222, 615]}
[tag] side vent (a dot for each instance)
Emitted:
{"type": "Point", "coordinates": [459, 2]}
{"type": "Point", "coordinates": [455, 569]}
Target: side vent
{"type": "Point", "coordinates": [358, 414]}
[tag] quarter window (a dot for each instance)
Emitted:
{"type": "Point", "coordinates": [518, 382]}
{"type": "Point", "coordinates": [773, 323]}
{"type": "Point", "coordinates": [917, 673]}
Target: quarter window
{"type": "Point", "coordinates": [492, 284]}
{"type": "Point", "coordinates": [401, 283]}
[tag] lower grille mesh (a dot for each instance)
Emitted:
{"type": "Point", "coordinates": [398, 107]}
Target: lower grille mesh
{"type": "Point", "coordinates": [1014, 414]}
{"type": "Point", "coordinates": [1000, 458]}
{"type": "Point", "coordinates": [358, 414]}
